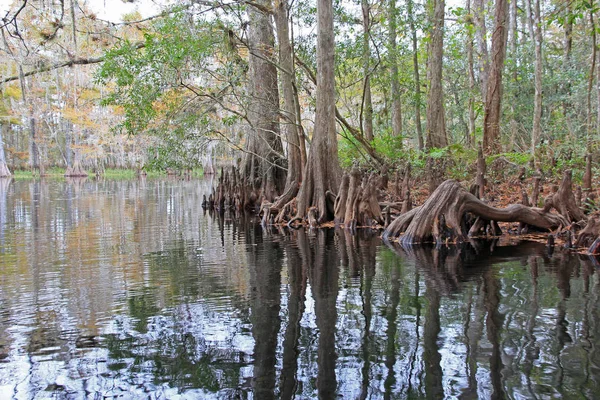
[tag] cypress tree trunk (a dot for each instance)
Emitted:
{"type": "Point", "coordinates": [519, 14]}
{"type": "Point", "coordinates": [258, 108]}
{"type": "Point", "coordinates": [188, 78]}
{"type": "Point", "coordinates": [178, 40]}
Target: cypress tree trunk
{"type": "Point", "coordinates": [493, 103]}
{"type": "Point", "coordinates": [436, 123]}
{"type": "Point", "coordinates": [290, 117]}
{"type": "Point", "coordinates": [322, 171]}
{"type": "Point", "coordinates": [263, 170]}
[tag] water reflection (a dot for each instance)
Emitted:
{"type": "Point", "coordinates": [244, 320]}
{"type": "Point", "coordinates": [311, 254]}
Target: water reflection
{"type": "Point", "coordinates": [131, 289]}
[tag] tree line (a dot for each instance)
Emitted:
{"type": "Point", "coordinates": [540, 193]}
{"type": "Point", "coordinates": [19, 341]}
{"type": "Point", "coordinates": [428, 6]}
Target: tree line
{"type": "Point", "coordinates": [293, 91]}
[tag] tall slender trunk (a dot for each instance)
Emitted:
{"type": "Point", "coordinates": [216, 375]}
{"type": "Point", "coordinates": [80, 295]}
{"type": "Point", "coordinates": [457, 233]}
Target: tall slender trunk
{"type": "Point", "coordinates": [436, 122]}
{"type": "Point", "coordinates": [393, 48]}
{"type": "Point", "coordinates": [367, 103]}
{"type": "Point", "coordinates": [470, 139]}
{"type": "Point", "coordinates": [493, 103]}
{"type": "Point", "coordinates": [415, 50]}
{"type": "Point", "coordinates": [4, 171]}
{"type": "Point", "coordinates": [290, 119]}
{"type": "Point", "coordinates": [74, 25]}
{"type": "Point", "coordinates": [481, 37]}
{"type": "Point", "coordinates": [322, 172]}
{"type": "Point", "coordinates": [591, 83]}
{"type": "Point", "coordinates": [514, 38]}
{"type": "Point", "coordinates": [535, 31]}
{"type": "Point", "coordinates": [568, 27]}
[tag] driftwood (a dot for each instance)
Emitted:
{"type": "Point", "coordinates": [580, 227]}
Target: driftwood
{"type": "Point", "coordinates": [453, 202]}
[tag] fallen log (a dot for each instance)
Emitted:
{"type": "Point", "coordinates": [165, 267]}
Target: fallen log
{"type": "Point", "coordinates": [454, 203]}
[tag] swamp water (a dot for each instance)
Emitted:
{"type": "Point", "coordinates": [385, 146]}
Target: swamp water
{"type": "Point", "coordinates": [128, 289]}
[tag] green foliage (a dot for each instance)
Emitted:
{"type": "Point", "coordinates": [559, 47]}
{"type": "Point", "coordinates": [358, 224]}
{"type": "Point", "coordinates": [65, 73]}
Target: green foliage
{"type": "Point", "coordinates": [174, 84]}
{"type": "Point", "coordinates": [516, 158]}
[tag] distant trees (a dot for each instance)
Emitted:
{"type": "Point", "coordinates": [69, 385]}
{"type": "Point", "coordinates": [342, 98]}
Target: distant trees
{"type": "Point", "coordinates": [240, 81]}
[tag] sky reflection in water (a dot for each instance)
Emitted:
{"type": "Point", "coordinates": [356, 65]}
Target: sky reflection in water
{"type": "Point", "coordinates": [129, 289]}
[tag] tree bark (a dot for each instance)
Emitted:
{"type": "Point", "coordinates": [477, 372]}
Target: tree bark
{"type": "Point", "coordinates": [367, 104]}
{"type": "Point", "coordinates": [481, 37]}
{"type": "Point", "coordinates": [493, 102]}
{"type": "Point", "coordinates": [436, 123]}
{"type": "Point", "coordinates": [290, 117]}
{"type": "Point", "coordinates": [564, 200]}
{"type": "Point", "coordinates": [515, 78]}
{"type": "Point", "coordinates": [415, 54]}
{"type": "Point", "coordinates": [395, 84]}
{"type": "Point", "coordinates": [262, 168]}
{"type": "Point", "coordinates": [535, 31]}
{"type": "Point", "coordinates": [322, 171]}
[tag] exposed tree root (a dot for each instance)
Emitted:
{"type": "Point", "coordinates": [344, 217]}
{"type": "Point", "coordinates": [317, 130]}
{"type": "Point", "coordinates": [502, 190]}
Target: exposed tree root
{"type": "Point", "coordinates": [357, 203]}
{"type": "Point", "coordinates": [442, 217]}
{"type": "Point", "coordinates": [564, 201]}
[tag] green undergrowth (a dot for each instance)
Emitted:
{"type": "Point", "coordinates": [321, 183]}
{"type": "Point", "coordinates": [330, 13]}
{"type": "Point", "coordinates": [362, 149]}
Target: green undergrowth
{"type": "Point", "coordinates": [460, 162]}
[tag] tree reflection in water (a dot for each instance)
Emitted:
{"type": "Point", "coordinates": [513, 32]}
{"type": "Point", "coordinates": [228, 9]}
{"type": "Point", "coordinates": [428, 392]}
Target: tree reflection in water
{"type": "Point", "coordinates": [130, 289]}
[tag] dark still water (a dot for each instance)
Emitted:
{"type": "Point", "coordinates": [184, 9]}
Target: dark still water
{"type": "Point", "coordinates": [129, 290]}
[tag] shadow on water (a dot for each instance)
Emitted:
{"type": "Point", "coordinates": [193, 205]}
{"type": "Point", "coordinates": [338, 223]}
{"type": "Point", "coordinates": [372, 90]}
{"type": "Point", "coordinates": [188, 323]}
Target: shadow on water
{"type": "Point", "coordinates": [131, 289]}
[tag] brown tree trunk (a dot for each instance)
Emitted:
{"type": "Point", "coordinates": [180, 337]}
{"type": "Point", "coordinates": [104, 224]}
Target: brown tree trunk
{"type": "Point", "coordinates": [263, 162]}
{"type": "Point", "coordinates": [481, 167]}
{"type": "Point", "coordinates": [367, 103]}
{"type": "Point", "coordinates": [493, 102]}
{"type": "Point", "coordinates": [290, 118]}
{"type": "Point", "coordinates": [395, 84]}
{"type": "Point", "coordinates": [415, 54]}
{"type": "Point", "coordinates": [535, 30]}
{"type": "Point", "coordinates": [436, 123]}
{"type": "Point", "coordinates": [322, 171]}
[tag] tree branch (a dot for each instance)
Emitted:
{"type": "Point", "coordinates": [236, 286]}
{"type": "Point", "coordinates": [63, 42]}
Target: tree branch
{"type": "Point", "coordinates": [62, 64]}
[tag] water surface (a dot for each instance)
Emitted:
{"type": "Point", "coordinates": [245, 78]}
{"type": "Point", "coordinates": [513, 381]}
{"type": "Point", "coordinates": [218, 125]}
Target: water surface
{"type": "Point", "coordinates": [129, 289]}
